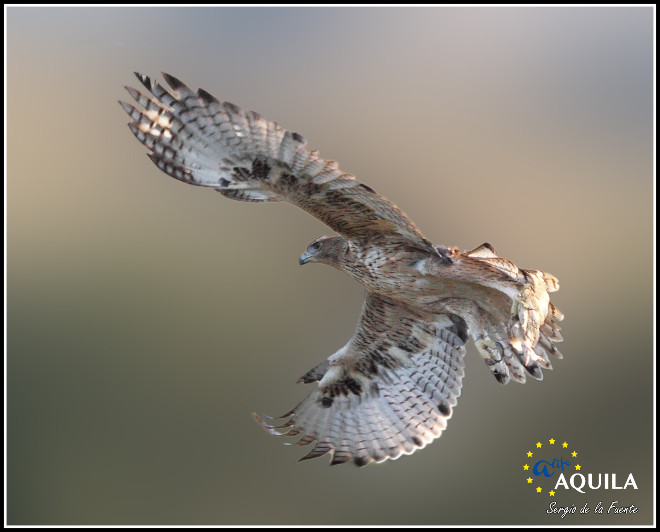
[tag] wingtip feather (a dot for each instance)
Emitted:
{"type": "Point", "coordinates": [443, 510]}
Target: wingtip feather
{"type": "Point", "coordinates": [173, 82]}
{"type": "Point", "coordinates": [268, 428]}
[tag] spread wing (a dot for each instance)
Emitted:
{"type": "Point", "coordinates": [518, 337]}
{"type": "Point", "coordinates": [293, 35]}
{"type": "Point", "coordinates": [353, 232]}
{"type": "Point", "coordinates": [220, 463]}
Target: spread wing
{"type": "Point", "coordinates": [200, 140]}
{"type": "Point", "coordinates": [388, 392]}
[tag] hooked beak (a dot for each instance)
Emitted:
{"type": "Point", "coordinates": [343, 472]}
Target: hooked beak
{"type": "Point", "coordinates": [304, 258]}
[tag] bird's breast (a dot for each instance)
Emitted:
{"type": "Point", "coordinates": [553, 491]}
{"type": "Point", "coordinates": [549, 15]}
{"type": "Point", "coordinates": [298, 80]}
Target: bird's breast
{"type": "Point", "coordinates": [393, 272]}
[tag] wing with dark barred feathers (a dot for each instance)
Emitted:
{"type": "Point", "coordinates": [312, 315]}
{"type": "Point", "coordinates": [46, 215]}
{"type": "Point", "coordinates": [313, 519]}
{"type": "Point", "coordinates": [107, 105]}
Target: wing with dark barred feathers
{"type": "Point", "coordinates": [388, 392]}
{"type": "Point", "coordinates": [200, 140]}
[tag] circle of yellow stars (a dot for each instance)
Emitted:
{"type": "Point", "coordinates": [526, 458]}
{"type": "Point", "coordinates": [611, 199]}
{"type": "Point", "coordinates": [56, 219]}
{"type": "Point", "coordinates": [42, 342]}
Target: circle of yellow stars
{"type": "Point", "coordinates": [530, 454]}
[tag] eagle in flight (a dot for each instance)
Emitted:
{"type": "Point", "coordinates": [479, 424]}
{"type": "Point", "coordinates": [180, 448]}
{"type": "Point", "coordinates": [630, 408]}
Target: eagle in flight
{"type": "Point", "coordinates": [391, 389]}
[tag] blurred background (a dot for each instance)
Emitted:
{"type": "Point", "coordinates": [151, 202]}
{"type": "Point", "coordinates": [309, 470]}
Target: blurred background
{"type": "Point", "coordinates": [147, 319]}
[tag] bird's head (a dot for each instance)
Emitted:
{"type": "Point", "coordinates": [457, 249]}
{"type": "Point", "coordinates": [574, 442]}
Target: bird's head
{"type": "Point", "coordinates": [333, 250]}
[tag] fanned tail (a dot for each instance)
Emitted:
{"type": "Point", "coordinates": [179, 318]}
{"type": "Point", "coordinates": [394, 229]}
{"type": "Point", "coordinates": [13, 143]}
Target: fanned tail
{"type": "Point", "coordinates": [524, 344]}
{"type": "Point", "coordinates": [507, 310]}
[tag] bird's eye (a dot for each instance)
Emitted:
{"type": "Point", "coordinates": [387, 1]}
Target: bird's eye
{"type": "Point", "coordinates": [314, 246]}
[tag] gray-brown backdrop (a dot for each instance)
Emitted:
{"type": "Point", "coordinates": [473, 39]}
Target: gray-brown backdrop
{"type": "Point", "coordinates": [147, 319]}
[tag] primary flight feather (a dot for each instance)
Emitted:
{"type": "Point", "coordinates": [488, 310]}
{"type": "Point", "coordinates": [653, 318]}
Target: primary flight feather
{"type": "Point", "coordinates": [391, 389]}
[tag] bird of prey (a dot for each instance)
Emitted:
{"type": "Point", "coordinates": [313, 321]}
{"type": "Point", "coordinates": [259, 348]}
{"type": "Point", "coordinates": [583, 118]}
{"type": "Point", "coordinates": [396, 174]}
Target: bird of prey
{"type": "Point", "coordinates": [391, 389]}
